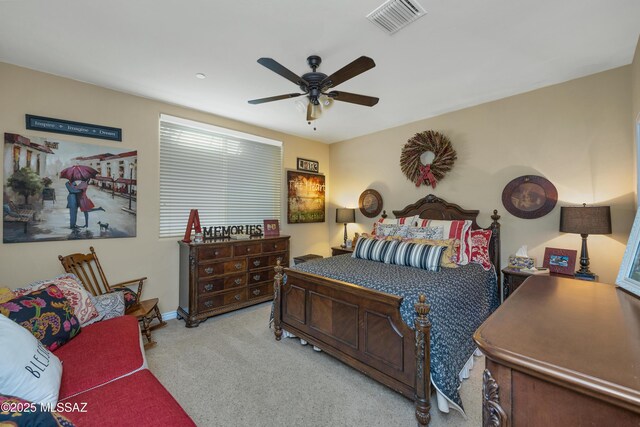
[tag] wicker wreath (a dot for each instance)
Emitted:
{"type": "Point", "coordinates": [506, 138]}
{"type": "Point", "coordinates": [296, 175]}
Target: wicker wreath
{"type": "Point", "coordinates": [421, 143]}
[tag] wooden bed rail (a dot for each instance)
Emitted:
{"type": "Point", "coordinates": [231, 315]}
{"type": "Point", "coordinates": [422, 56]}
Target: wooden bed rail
{"type": "Point", "coordinates": [420, 380]}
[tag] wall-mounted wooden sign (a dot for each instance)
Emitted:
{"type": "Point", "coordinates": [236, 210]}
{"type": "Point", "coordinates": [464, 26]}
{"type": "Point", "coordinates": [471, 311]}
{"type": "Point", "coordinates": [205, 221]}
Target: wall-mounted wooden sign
{"type": "Point", "coordinates": [308, 165]}
{"type": "Point", "coordinates": [67, 127]}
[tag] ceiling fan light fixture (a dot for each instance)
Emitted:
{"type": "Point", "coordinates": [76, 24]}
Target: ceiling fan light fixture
{"type": "Point", "coordinates": [393, 15]}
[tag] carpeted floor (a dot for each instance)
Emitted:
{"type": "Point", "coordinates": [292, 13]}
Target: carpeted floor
{"type": "Point", "coordinates": [230, 371]}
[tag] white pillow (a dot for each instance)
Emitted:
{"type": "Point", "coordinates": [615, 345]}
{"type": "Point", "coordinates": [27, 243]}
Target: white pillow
{"type": "Point", "coordinates": [27, 369]}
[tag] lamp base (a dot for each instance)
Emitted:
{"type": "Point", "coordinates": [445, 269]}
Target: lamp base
{"type": "Point", "coordinates": [585, 276]}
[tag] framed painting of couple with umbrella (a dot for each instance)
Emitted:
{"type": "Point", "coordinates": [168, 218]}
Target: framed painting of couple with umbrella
{"type": "Point", "coordinates": [61, 190]}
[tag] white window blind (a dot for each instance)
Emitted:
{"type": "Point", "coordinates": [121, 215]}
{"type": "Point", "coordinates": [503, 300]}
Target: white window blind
{"type": "Point", "coordinates": [230, 177]}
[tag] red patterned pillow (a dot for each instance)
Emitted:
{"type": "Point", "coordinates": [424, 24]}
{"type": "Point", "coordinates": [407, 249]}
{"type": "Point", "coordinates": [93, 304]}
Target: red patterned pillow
{"type": "Point", "coordinates": [480, 248]}
{"type": "Point", "coordinates": [458, 230]}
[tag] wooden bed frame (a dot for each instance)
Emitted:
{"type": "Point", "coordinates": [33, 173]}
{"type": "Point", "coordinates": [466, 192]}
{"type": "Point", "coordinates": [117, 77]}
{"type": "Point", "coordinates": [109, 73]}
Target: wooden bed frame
{"type": "Point", "coordinates": [362, 327]}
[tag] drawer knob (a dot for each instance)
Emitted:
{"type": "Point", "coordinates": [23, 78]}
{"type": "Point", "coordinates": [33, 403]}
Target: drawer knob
{"type": "Point", "coordinates": [256, 262]}
{"type": "Point", "coordinates": [237, 281]}
{"type": "Point", "coordinates": [216, 253]}
{"type": "Point", "coordinates": [208, 303]}
{"type": "Point", "coordinates": [208, 270]}
{"type": "Point", "coordinates": [208, 287]}
{"type": "Point", "coordinates": [238, 266]}
{"type": "Point", "coordinates": [248, 249]}
{"type": "Point", "coordinates": [237, 297]}
{"type": "Point", "coordinates": [256, 277]}
{"type": "Point", "coordinates": [256, 291]}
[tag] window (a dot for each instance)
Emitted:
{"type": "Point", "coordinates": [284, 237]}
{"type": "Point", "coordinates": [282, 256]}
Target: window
{"type": "Point", "coordinates": [230, 177]}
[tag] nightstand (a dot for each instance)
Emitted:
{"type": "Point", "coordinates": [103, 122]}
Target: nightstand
{"type": "Point", "coordinates": [513, 278]}
{"type": "Point", "coordinates": [337, 250]}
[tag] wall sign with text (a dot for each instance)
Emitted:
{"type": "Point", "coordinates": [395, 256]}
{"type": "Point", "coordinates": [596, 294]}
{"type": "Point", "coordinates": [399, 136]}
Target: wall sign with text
{"type": "Point", "coordinates": [67, 127]}
{"type": "Point", "coordinates": [308, 165]}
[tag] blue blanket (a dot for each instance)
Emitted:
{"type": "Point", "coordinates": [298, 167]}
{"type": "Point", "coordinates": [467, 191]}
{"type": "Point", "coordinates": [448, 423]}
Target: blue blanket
{"type": "Point", "coordinates": [460, 298]}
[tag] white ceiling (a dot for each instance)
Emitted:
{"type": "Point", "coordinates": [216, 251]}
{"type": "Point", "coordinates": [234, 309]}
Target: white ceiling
{"type": "Point", "coordinates": [462, 53]}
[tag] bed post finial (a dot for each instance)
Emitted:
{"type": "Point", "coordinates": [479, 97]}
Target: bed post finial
{"type": "Point", "coordinates": [423, 361]}
{"type": "Point", "coordinates": [494, 247]}
{"type": "Point", "coordinates": [277, 284]}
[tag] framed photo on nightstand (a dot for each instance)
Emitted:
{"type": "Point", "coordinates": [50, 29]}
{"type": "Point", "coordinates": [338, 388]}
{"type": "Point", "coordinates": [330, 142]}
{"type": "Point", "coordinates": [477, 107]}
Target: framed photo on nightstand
{"type": "Point", "coordinates": [561, 261]}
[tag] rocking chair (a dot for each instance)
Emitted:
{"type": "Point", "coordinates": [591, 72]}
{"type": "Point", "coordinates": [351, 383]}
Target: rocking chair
{"type": "Point", "coordinates": [85, 267]}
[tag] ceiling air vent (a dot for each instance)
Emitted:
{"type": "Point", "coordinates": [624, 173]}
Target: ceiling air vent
{"type": "Point", "coordinates": [396, 14]}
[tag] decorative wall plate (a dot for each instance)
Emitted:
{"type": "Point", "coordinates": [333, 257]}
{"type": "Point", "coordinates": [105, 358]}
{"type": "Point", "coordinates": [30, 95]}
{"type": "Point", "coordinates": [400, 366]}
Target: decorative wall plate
{"type": "Point", "coordinates": [529, 197]}
{"type": "Point", "coordinates": [370, 203]}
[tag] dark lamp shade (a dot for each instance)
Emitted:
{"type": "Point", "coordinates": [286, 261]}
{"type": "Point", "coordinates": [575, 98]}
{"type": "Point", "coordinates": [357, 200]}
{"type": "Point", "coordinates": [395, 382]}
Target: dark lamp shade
{"type": "Point", "coordinates": [585, 220]}
{"type": "Point", "coordinates": [345, 215]}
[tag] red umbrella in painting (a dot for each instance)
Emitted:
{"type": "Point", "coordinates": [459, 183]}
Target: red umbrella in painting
{"type": "Point", "coordinates": [78, 173]}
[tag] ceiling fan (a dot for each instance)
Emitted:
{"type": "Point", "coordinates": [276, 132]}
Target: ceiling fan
{"type": "Point", "coordinates": [315, 84]}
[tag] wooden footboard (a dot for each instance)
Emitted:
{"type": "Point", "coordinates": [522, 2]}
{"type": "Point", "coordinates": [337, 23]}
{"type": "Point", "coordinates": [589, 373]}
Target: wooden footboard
{"type": "Point", "coordinates": [361, 327]}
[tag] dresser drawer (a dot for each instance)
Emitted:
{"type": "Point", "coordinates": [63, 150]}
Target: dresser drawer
{"type": "Point", "coordinates": [246, 249]}
{"type": "Point", "coordinates": [274, 246]}
{"type": "Point", "coordinates": [216, 268]}
{"type": "Point", "coordinates": [210, 302]}
{"type": "Point", "coordinates": [214, 252]}
{"type": "Point", "coordinates": [261, 276]}
{"type": "Point", "coordinates": [267, 261]}
{"type": "Point", "coordinates": [206, 286]}
{"type": "Point", "coordinates": [261, 290]}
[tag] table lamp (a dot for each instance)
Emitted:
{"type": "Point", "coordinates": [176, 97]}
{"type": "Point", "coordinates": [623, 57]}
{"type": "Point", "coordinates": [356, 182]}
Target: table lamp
{"type": "Point", "coordinates": [345, 216]}
{"type": "Point", "coordinates": [585, 220]}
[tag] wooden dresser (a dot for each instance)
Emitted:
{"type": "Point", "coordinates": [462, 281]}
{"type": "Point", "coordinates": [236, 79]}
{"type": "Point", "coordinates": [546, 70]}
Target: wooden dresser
{"type": "Point", "coordinates": [562, 352]}
{"type": "Point", "coordinates": [222, 276]}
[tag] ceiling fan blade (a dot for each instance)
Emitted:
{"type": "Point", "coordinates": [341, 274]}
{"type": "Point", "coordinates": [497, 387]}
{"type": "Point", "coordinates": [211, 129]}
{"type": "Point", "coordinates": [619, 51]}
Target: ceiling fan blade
{"type": "Point", "coordinates": [274, 98]}
{"type": "Point", "coordinates": [354, 98]}
{"type": "Point", "coordinates": [276, 67]}
{"type": "Point", "coordinates": [349, 71]}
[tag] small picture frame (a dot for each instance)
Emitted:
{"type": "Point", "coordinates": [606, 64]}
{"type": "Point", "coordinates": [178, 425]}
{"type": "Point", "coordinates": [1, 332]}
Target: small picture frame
{"type": "Point", "coordinates": [629, 273]}
{"type": "Point", "coordinates": [561, 261]}
{"type": "Point", "coordinates": [308, 165]}
{"type": "Point", "coordinates": [271, 227]}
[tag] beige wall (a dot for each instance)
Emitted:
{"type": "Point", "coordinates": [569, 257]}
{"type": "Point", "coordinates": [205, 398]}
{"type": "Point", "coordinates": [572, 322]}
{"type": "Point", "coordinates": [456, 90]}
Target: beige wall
{"type": "Point", "coordinates": [576, 134]}
{"type": "Point", "coordinates": [635, 91]}
{"type": "Point", "coordinates": [26, 91]}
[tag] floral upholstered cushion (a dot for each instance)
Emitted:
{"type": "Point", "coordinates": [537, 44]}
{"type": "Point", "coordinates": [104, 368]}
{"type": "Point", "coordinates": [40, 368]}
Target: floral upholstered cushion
{"type": "Point", "coordinates": [19, 412]}
{"type": "Point", "coordinates": [47, 314]}
{"type": "Point", "coordinates": [72, 289]}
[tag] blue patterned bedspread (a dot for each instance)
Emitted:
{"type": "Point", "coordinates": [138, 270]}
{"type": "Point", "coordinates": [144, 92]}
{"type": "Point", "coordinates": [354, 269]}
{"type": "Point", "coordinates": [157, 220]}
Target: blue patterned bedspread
{"type": "Point", "coordinates": [460, 298]}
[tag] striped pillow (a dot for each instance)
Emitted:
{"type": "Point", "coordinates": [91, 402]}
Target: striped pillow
{"type": "Point", "coordinates": [375, 250]}
{"type": "Point", "coordinates": [426, 257]}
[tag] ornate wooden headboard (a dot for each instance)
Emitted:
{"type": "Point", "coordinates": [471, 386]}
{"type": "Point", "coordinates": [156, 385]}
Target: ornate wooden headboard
{"type": "Point", "coordinates": [432, 207]}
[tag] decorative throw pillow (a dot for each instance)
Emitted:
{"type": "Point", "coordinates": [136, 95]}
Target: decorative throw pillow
{"type": "Point", "coordinates": [417, 255]}
{"type": "Point", "coordinates": [15, 411]}
{"type": "Point", "coordinates": [480, 248]}
{"type": "Point", "coordinates": [130, 297]}
{"type": "Point", "coordinates": [47, 314]}
{"type": "Point", "coordinates": [448, 257]}
{"type": "Point", "coordinates": [408, 221]}
{"type": "Point", "coordinates": [459, 230]}
{"type": "Point", "coordinates": [432, 233]}
{"type": "Point", "coordinates": [386, 230]}
{"type": "Point", "coordinates": [28, 370]}
{"type": "Point", "coordinates": [72, 289]}
{"type": "Point", "coordinates": [109, 305]}
{"type": "Point", "coordinates": [5, 294]}
{"type": "Point", "coordinates": [375, 250]}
